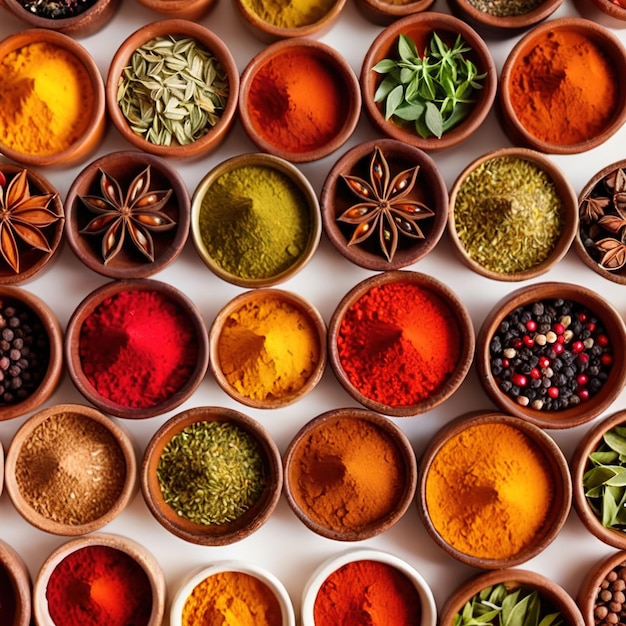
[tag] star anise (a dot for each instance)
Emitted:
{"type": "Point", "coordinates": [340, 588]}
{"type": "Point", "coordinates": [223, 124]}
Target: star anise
{"type": "Point", "coordinates": [136, 214]}
{"type": "Point", "coordinates": [22, 218]}
{"type": "Point", "coordinates": [385, 207]}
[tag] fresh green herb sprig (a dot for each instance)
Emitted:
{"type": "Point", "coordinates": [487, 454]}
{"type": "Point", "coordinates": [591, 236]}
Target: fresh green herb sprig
{"type": "Point", "coordinates": [435, 92]}
{"type": "Point", "coordinates": [605, 481]}
{"type": "Point", "coordinates": [500, 605]}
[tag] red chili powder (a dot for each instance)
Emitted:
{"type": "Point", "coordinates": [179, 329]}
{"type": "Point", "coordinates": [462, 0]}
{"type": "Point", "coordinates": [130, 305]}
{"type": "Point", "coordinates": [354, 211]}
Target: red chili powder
{"type": "Point", "coordinates": [99, 586]}
{"type": "Point", "coordinates": [399, 343]}
{"type": "Point", "coordinates": [367, 592]}
{"type": "Point", "coordinates": [7, 597]}
{"type": "Point", "coordinates": [137, 348]}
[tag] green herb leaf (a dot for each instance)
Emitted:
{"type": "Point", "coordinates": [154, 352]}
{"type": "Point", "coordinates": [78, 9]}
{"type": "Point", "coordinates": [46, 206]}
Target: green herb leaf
{"type": "Point", "coordinates": [615, 441]}
{"type": "Point", "coordinates": [433, 119]}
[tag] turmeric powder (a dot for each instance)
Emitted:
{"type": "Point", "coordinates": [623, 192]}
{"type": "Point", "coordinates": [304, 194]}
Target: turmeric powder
{"type": "Point", "coordinates": [232, 599]}
{"type": "Point", "coordinates": [489, 491]}
{"type": "Point", "coordinates": [46, 99]}
{"type": "Point", "coordinates": [289, 13]}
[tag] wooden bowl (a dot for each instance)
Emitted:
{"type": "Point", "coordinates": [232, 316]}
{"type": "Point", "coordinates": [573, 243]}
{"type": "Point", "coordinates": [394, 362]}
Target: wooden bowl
{"type": "Point", "coordinates": [615, 57]}
{"type": "Point", "coordinates": [591, 513]}
{"type": "Point", "coordinates": [31, 260]}
{"type": "Point", "coordinates": [383, 12]}
{"type": "Point", "coordinates": [595, 203]}
{"type": "Point", "coordinates": [272, 364]}
{"type": "Point", "coordinates": [429, 190]}
{"type": "Point", "coordinates": [547, 192]}
{"type": "Point", "coordinates": [591, 401]}
{"type": "Point", "coordinates": [507, 490]}
{"type": "Point", "coordinates": [251, 516]}
{"type": "Point", "coordinates": [82, 455]}
{"type": "Point", "coordinates": [130, 261]}
{"type": "Point", "coordinates": [170, 307]}
{"type": "Point", "coordinates": [408, 582]}
{"type": "Point", "coordinates": [120, 566]}
{"type": "Point", "coordinates": [611, 9]}
{"type": "Point", "coordinates": [279, 610]}
{"type": "Point", "coordinates": [326, 489]}
{"type": "Point", "coordinates": [243, 268]}
{"type": "Point", "coordinates": [91, 20]}
{"type": "Point", "coordinates": [268, 28]}
{"type": "Point", "coordinates": [89, 127]}
{"type": "Point", "coordinates": [299, 99]}
{"type": "Point", "coordinates": [1, 468]}
{"type": "Point", "coordinates": [194, 10]}
{"type": "Point", "coordinates": [16, 587]}
{"type": "Point", "coordinates": [216, 134]}
{"type": "Point", "coordinates": [419, 27]}
{"type": "Point", "coordinates": [552, 596]}
{"type": "Point", "coordinates": [439, 313]}
{"type": "Point", "coordinates": [39, 324]}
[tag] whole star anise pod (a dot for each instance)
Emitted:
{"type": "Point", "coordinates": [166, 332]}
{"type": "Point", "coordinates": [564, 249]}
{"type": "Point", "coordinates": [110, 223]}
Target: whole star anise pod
{"type": "Point", "coordinates": [22, 218]}
{"type": "Point", "coordinates": [384, 207]}
{"type": "Point", "coordinates": [136, 214]}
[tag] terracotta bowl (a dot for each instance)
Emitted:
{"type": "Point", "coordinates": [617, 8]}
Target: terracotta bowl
{"type": "Point", "coordinates": [280, 609]}
{"type": "Point", "coordinates": [294, 372]}
{"type": "Point", "coordinates": [83, 24]}
{"type": "Point", "coordinates": [47, 368]}
{"type": "Point", "coordinates": [79, 462]}
{"type": "Point", "coordinates": [590, 511]}
{"type": "Point", "coordinates": [212, 43]}
{"type": "Point", "coordinates": [593, 399]}
{"type": "Point", "coordinates": [420, 27]}
{"type": "Point", "coordinates": [609, 7]}
{"type": "Point", "coordinates": [195, 10]}
{"type": "Point", "coordinates": [1, 468]}
{"type": "Point", "coordinates": [119, 554]}
{"type": "Point", "coordinates": [613, 50]}
{"type": "Point", "coordinates": [418, 594]}
{"type": "Point", "coordinates": [449, 310]}
{"type": "Point", "coordinates": [93, 123]}
{"type": "Point", "coordinates": [16, 585]}
{"type": "Point", "coordinates": [165, 184]}
{"type": "Point", "coordinates": [600, 578]}
{"type": "Point", "coordinates": [196, 341]}
{"type": "Point", "coordinates": [470, 11]}
{"type": "Point", "coordinates": [548, 468]}
{"type": "Point", "coordinates": [287, 78]}
{"type": "Point", "coordinates": [429, 190]}
{"type": "Point", "coordinates": [383, 12]}
{"type": "Point", "coordinates": [552, 596]}
{"type": "Point", "coordinates": [314, 460]}
{"type": "Point", "coordinates": [216, 532]}
{"type": "Point", "coordinates": [553, 197]}
{"type": "Point", "coordinates": [595, 206]}
{"type": "Point", "coordinates": [266, 29]}
{"type": "Point", "coordinates": [250, 276]}
{"type": "Point", "coordinates": [31, 260]}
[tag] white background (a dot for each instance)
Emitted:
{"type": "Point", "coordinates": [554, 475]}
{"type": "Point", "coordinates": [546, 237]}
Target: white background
{"type": "Point", "coordinates": [284, 546]}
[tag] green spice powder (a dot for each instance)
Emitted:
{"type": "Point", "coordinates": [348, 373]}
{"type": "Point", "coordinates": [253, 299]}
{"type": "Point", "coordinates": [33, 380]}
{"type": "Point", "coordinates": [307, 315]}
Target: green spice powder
{"type": "Point", "coordinates": [508, 215]}
{"type": "Point", "coordinates": [212, 472]}
{"type": "Point", "coordinates": [254, 222]}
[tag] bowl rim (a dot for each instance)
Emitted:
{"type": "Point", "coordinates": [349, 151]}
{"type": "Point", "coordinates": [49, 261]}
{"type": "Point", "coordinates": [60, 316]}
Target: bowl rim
{"type": "Point", "coordinates": [197, 576]}
{"type": "Point", "coordinates": [124, 443]}
{"type": "Point", "coordinates": [432, 20]}
{"type": "Point", "coordinates": [88, 305]}
{"type": "Point", "coordinates": [187, 530]}
{"type": "Point", "coordinates": [260, 159]}
{"type": "Point", "coordinates": [552, 454]}
{"type": "Point", "coordinates": [510, 22]}
{"type": "Point", "coordinates": [346, 162]}
{"type": "Point", "coordinates": [610, 8]}
{"type": "Point", "coordinates": [565, 191]}
{"type": "Point", "coordinates": [339, 67]}
{"type": "Point", "coordinates": [599, 34]}
{"type": "Point", "coordinates": [456, 306]}
{"type": "Point", "coordinates": [397, 10]}
{"type": "Point", "coordinates": [573, 416]}
{"type": "Point", "coordinates": [88, 175]}
{"type": "Point", "coordinates": [402, 444]}
{"type": "Point", "coordinates": [333, 563]}
{"type": "Point", "coordinates": [268, 293]}
{"type": "Point", "coordinates": [94, 130]}
{"type": "Point", "coordinates": [14, 565]}
{"type": "Point", "coordinates": [174, 26]}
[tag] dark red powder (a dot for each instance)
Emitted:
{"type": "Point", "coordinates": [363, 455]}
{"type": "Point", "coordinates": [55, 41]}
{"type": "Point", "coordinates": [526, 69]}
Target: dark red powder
{"type": "Point", "coordinates": [137, 348]}
{"type": "Point", "coordinates": [7, 597]}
